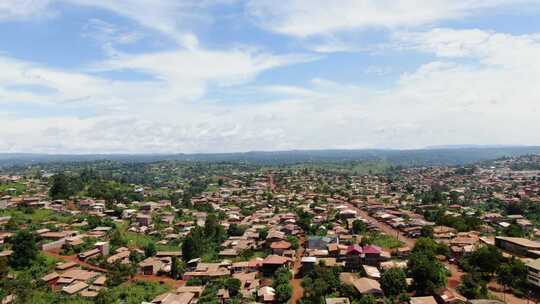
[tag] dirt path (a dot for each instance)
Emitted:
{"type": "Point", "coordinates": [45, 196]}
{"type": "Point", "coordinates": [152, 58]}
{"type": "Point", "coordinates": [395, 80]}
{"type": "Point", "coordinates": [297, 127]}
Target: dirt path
{"type": "Point", "coordinates": [384, 227]}
{"type": "Point", "coordinates": [74, 259]}
{"type": "Point", "coordinates": [296, 283]}
{"type": "Point", "coordinates": [139, 277]}
{"type": "Point", "coordinates": [271, 183]}
{"type": "Point", "coordinates": [159, 279]}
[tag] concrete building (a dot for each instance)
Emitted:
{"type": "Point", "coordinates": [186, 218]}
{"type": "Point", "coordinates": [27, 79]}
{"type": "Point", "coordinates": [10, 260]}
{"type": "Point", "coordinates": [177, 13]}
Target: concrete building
{"type": "Point", "coordinates": [533, 275]}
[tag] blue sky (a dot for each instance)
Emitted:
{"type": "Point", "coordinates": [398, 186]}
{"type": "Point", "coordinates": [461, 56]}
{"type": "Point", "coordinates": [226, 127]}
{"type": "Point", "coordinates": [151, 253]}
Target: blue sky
{"type": "Point", "coordinates": [144, 76]}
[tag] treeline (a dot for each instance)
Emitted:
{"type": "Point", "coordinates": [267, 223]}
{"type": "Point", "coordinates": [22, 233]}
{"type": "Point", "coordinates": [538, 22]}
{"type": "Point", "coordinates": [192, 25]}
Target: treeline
{"type": "Point", "coordinates": [461, 223]}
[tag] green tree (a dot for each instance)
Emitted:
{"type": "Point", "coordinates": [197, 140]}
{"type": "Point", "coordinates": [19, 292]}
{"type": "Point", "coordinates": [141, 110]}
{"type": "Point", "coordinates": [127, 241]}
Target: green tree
{"type": "Point", "coordinates": [233, 286]}
{"type": "Point", "coordinates": [427, 273]}
{"type": "Point", "coordinates": [295, 243]}
{"type": "Point", "coordinates": [119, 273]}
{"type": "Point", "coordinates": [186, 200]}
{"type": "Point", "coordinates": [283, 293]}
{"type": "Point", "coordinates": [426, 246]}
{"type": "Point", "coordinates": [117, 238]}
{"type": "Point", "coordinates": [4, 267]}
{"type": "Point", "coordinates": [513, 274]}
{"type": "Point", "coordinates": [190, 248]}
{"type": "Point", "coordinates": [150, 249]}
{"type": "Point", "coordinates": [63, 187]}
{"type": "Point", "coordinates": [393, 282]}
{"type": "Point", "coordinates": [485, 259]}
{"type": "Point", "coordinates": [367, 299]}
{"type": "Point", "coordinates": [263, 233]}
{"type": "Point", "coordinates": [235, 230]}
{"type": "Point", "coordinates": [472, 286]}
{"type": "Point", "coordinates": [359, 227]}
{"type": "Point", "coordinates": [178, 268]}
{"type": "Point", "coordinates": [25, 249]}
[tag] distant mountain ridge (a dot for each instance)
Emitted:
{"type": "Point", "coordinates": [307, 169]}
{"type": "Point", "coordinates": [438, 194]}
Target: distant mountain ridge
{"type": "Point", "coordinates": [418, 157]}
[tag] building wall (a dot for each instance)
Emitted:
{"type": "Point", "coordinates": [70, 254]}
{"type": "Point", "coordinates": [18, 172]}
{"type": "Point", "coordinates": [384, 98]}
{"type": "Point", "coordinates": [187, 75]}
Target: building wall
{"type": "Point", "coordinates": [511, 247]}
{"type": "Point", "coordinates": [533, 276]}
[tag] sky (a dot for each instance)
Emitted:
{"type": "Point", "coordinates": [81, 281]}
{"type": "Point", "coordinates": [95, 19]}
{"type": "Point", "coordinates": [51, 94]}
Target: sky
{"type": "Point", "coordinates": [191, 76]}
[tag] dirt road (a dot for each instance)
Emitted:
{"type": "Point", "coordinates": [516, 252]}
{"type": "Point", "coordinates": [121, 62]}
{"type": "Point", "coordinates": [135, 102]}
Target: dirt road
{"type": "Point", "coordinates": [296, 283]}
{"type": "Point", "coordinates": [74, 259]}
{"type": "Point", "coordinates": [139, 277]}
{"type": "Point", "coordinates": [453, 281]}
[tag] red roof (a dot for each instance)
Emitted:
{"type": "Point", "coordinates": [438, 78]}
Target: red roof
{"type": "Point", "coordinates": [372, 249]}
{"type": "Point", "coordinates": [354, 249]}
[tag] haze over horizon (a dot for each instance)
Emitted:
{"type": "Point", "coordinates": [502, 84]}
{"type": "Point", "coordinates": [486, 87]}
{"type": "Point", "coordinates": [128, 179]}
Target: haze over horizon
{"type": "Point", "coordinates": [170, 76]}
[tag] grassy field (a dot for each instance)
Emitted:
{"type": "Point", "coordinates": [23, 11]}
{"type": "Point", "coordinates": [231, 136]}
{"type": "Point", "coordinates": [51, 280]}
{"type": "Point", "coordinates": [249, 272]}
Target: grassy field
{"type": "Point", "coordinates": [383, 240]}
{"type": "Point", "coordinates": [21, 188]}
{"type": "Point", "coordinates": [35, 216]}
{"type": "Point", "coordinates": [142, 240]}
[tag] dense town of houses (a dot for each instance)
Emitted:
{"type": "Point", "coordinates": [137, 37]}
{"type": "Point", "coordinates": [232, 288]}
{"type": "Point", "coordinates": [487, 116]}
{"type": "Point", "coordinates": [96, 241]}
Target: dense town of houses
{"type": "Point", "coordinates": [370, 198]}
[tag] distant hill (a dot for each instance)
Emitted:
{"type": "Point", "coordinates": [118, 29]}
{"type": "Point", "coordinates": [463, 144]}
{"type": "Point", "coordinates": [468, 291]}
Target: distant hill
{"type": "Point", "coordinates": [419, 157]}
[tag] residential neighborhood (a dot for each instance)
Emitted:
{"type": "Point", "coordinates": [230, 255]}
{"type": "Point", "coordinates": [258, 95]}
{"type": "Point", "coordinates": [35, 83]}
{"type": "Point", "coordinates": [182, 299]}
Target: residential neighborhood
{"type": "Point", "coordinates": [419, 235]}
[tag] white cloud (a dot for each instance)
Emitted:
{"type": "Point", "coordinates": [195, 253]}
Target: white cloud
{"type": "Point", "coordinates": [490, 98]}
{"type": "Point", "coordinates": [303, 18]}
{"type": "Point", "coordinates": [23, 9]}
{"type": "Point", "coordinates": [108, 33]}
{"type": "Point", "coordinates": [172, 18]}
{"type": "Point", "coordinates": [442, 102]}
{"type": "Point", "coordinates": [490, 48]}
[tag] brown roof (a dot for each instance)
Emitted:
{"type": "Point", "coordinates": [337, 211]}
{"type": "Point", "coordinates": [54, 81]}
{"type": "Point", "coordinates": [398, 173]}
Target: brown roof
{"type": "Point", "coordinates": [521, 242]}
{"type": "Point", "coordinates": [66, 265]}
{"type": "Point", "coordinates": [49, 277]}
{"type": "Point", "coordinates": [100, 280]}
{"type": "Point", "coordinates": [171, 298]}
{"type": "Point", "coordinates": [276, 260]}
{"type": "Point", "coordinates": [79, 274]}
{"type": "Point", "coordinates": [197, 290]}
{"type": "Point", "coordinates": [280, 245]}
{"type": "Point", "coordinates": [423, 300]}
{"type": "Point", "coordinates": [75, 287]}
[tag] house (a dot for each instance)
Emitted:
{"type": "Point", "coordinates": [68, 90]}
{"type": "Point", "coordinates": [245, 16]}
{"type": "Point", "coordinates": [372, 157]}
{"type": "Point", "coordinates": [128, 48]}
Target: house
{"type": "Point", "coordinates": [207, 270]}
{"type": "Point", "coordinates": [50, 278]}
{"type": "Point", "coordinates": [173, 298]}
{"type": "Point", "coordinates": [362, 285]}
{"type": "Point", "coordinates": [74, 288]}
{"type": "Point", "coordinates": [447, 296]}
{"type": "Point", "coordinates": [150, 266]}
{"type": "Point", "coordinates": [103, 248]}
{"type": "Point", "coordinates": [89, 254]}
{"type": "Point", "coordinates": [272, 262]}
{"type": "Point", "coordinates": [372, 254]}
{"type": "Point", "coordinates": [423, 300]}
{"type": "Point", "coordinates": [196, 290]}
{"type": "Point", "coordinates": [279, 247]}
{"type": "Point", "coordinates": [320, 242]}
{"type": "Point", "coordinates": [248, 283]}
{"type": "Point", "coordinates": [122, 256]}
{"type": "Point", "coordinates": [372, 272]}
{"type": "Point", "coordinates": [354, 256]}
{"type": "Point", "coordinates": [308, 263]}
{"type": "Point", "coordinates": [267, 294]}
{"type": "Point", "coordinates": [519, 246]}
{"type": "Point", "coordinates": [337, 301]}
{"type": "Point", "coordinates": [143, 219]}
